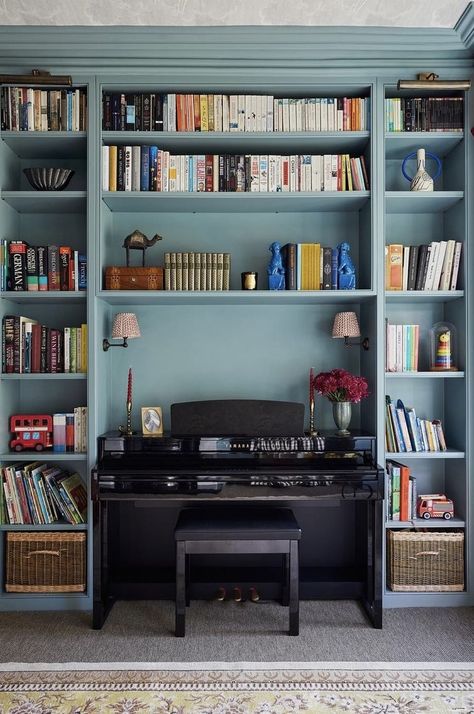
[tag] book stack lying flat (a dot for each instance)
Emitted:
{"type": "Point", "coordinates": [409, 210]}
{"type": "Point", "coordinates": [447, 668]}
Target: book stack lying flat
{"type": "Point", "coordinates": [197, 271]}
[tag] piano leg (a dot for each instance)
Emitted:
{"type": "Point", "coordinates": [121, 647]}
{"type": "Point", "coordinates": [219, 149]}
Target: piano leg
{"type": "Point", "coordinates": [373, 587]}
{"type": "Point", "coordinates": [102, 601]}
{"type": "Point", "coordinates": [285, 598]}
{"type": "Point", "coordinates": [180, 595]}
{"type": "Point", "coordinates": [294, 589]}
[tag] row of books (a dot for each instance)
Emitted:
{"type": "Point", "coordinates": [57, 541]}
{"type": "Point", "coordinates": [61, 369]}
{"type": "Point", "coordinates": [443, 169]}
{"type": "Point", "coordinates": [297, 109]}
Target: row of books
{"type": "Point", "coordinates": [39, 494]}
{"type": "Point", "coordinates": [310, 266]}
{"type": "Point", "coordinates": [401, 347]}
{"type": "Point", "coordinates": [404, 431]}
{"type": "Point", "coordinates": [423, 267]}
{"type": "Point", "coordinates": [424, 114]}
{"type": "Point", "coordinates": [70, 431]}
{"type": "Point", "coordinates": [41, 268]}
{"type": "Point", "coordinates": [401, 492]}
{"type": "Point", "coordinates": [226, 113]}
{"type": "Point", "coordinates": [147, 168]}
{"type": "Point", "coordinates": [197, 271]}
{"type": "Point", "coordinates": [30, 109]}
{"type": "Point", "coordinates": [30, 348]}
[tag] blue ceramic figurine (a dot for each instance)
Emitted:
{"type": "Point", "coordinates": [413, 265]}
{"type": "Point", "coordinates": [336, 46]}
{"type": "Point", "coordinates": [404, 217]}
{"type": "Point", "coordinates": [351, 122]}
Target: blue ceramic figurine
{"type": "Point", "coordinates": [345, 268]}
{"type": "Point", "coordinates": [275, 270]}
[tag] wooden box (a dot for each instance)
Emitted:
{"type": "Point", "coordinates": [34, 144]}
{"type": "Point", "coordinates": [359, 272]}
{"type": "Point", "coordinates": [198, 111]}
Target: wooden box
{"type": "Point", "coordinates": [45, 562]}
{"type": "Point", "coordinates": [120, 278]}
{"type": "Point", "coordinates": [425, 562]}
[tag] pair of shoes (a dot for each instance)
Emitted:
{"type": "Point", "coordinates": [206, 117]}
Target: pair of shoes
{"type": "Point", "coordinates": [236, 594]}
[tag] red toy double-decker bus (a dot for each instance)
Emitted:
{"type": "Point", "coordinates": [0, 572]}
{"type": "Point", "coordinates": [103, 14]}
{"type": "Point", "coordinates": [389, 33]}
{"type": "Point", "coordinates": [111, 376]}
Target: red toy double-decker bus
{"type": "Point", "coordinates": [31, 431]}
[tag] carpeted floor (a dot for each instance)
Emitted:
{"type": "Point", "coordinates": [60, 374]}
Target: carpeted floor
{"type": "Point", "coordinates": [369, 690]}
{"type": "Point", "coordinates": [335, 631]}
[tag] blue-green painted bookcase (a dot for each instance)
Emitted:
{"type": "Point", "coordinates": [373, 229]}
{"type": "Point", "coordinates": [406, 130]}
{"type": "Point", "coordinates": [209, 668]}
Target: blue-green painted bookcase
{"type": "Point", "coordinates": [257, 344]}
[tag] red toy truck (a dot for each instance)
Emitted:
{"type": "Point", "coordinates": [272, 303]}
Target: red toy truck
{"type": "Point", "coordinates": [31, 432]}
{"type": "Point", "coordinates": [435, 505]}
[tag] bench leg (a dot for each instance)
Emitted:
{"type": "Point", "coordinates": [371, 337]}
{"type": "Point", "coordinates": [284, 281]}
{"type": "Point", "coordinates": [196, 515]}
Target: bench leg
{"type": "Point", "coordinates": [188, 580]}
{"type": "Point", "coordinates": [285, 598]}
{"type": "Point", "coordinates": [180, 595]}
{"type": "Point", "coordinates": [294, 589]}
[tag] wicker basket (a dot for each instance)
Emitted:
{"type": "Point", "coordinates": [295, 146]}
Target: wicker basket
{"type": "Point", "coordinates": [425, 562]}
{"type": "Point", "coordinates": [50, 562]}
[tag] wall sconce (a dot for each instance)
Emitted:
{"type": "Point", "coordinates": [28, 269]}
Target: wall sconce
{"type": "Point", "coordinates": [125, 328]}
{"type": "Point", "coordinates": [346, 325]}
{"type": "Point", "coordinates": [430, 80]}
{"type": "Point", "coordinates": [37, 77]}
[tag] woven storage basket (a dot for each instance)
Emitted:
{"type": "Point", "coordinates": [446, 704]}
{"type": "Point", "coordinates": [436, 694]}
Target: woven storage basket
{"type": "Point", "coordinates": [426, 562]}
{"type": "Point", "coordinates": [46, 562]}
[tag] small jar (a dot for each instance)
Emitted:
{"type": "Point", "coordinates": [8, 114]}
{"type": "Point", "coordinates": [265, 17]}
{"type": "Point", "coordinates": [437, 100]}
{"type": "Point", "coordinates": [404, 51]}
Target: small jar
{"type": "Point", "coordinates": [443, 347]}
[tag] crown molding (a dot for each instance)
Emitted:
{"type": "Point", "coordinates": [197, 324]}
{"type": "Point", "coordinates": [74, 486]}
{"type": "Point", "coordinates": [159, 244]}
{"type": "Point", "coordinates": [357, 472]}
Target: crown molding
{"type": "Point", "coordinates": [465, 26]}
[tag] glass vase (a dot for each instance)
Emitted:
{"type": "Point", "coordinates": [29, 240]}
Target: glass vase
{"type": "Point", "coordinates": [342, 412]}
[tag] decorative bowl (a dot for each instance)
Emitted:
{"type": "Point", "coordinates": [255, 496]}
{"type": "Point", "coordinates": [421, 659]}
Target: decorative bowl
{"type": "Point", "coordinates": [45, 179]}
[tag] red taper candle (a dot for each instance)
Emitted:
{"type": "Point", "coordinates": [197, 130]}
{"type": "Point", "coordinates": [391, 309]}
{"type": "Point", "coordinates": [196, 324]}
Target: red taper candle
{"type": "Point", "coordinates": [129, 391]}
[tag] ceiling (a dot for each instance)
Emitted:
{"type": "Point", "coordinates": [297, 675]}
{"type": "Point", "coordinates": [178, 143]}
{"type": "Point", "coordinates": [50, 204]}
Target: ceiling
{"type": "Point", "coordinates": [401, 13]}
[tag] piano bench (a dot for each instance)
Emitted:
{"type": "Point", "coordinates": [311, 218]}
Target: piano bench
{"type": "Point", "coordinates": [237, 530]}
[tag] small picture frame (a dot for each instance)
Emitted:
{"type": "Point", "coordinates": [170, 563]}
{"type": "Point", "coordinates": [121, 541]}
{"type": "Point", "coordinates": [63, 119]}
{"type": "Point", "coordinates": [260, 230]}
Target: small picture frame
{"type": "Point", "coordinates": [152, 421]}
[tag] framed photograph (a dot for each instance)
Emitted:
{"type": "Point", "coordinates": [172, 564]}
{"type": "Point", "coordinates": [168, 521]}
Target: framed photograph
{"type": "Point", "coordinates": [152, 421]}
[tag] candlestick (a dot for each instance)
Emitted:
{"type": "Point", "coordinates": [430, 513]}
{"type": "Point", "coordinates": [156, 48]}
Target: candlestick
{"type": "Point", "coordinates": [129, 390]}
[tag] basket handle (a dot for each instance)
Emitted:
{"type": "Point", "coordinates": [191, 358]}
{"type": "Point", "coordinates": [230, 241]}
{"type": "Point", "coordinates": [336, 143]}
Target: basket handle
{"type": "Point", "coordinates": [43, 552]}
{"type": "Point", "coordinates": [425, 552]}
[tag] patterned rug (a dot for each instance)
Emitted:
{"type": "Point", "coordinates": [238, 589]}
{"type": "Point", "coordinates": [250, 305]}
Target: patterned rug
{"type": "Point", "coordinates": [229, 689]}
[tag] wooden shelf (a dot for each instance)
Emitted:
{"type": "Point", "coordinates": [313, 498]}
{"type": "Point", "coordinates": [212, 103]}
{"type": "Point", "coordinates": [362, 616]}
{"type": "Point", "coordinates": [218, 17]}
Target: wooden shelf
{"type": "Point", "coordinates": [46, 144]}
{"type": "Point", "coordinates": [45, 455]}
{"type": "Point", "coordinates": [296, 142]}
{"type": "Point", "coordinates": [421, 201]}
{"type": "Point", "coordinates": [423, 295]}
{"type": "Point", "coordinates": [234, 297]}
{"type": "Point", "coordinates": [46, 201]}
{"type": "Point", "coordinates": [449, 454]}
{"type": "Point", "coordinates": [237, 202]}
{"type": "Point", "coordinates": [53, 296]}
{"type": "Point", "coordinates": [424, 375]}
{"type": "Point", "coordinates": [434, 523]}
{"type": "Point", "coordinates": [42, 376]}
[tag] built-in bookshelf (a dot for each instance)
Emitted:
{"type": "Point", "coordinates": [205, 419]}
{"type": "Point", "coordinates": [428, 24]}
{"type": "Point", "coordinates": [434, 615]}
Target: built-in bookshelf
{"type": "Point", "coordinates": [42, 318]}
{"type": "Point", "coordinates": [204, 344]}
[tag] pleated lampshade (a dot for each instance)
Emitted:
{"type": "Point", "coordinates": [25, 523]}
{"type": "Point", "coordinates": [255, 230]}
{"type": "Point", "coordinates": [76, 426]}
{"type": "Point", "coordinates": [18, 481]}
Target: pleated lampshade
{"type": "Point", "coordinates": [125, 325]}
{"type": "Point", "coordinates": [346, 324]}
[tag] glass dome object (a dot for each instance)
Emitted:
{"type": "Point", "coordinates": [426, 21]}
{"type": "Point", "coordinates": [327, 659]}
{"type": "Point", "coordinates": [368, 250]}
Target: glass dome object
{"type": "Point", "coordinates": [443, 347]}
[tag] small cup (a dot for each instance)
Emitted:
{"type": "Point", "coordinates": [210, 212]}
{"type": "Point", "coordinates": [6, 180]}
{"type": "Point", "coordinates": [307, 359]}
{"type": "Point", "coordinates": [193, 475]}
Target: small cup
{"type": "Point", "coordinates": [249, 281]}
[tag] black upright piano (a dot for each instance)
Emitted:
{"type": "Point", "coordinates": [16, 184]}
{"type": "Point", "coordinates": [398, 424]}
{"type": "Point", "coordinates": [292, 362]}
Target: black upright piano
{"type": "Point", "coordinates": [331, 482]}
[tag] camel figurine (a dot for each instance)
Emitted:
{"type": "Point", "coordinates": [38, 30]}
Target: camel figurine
{"type": "Point", "coordinates": [138, 241]}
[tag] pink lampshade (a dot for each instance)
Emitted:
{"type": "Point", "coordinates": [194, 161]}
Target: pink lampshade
{"type": "Point", "coordinates": [346, 324]}
{"type": "Point", "coordinates": [125, 325]}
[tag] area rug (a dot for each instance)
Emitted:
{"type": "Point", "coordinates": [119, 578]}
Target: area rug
{"type": "Point", "coordinates": [78, 688]}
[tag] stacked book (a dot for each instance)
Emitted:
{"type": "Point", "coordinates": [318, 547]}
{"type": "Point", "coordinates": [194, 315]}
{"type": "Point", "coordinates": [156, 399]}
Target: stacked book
{"type": "Point", "coordinates": [197, 271]}
{"type": "Point", "coordinates": [401, 492]}
{"type": "Point", "coordinates": [29, 347]}
{"type": "Point", "coordinates": [423, 267]}
{"type": "Point", "coordinates": [41, 268]}
{"type": "Point", "coordinates": [148, 168]}
{"type": "Point", "coordinates": [424, 114]}
{"type": "Point", "coordinates": [405, 432]}
{"type": "Point", "coordinates": [39, 494]}
{"type": "Point", "coordinates": [401, 347]}
{"type": "Point", "coordinates": [28, 109]}
{"type": "Point", "coordinates": [236, 112]}
{"type": "Point", "coordinates": [310, 266]}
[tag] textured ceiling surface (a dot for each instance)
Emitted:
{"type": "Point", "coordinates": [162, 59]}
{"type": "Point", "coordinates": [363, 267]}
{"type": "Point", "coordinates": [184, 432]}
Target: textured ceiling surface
{"type": "Point", "coordinates": [401, 13]}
